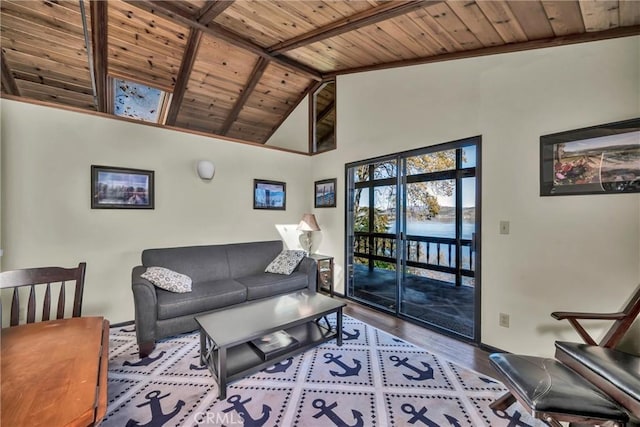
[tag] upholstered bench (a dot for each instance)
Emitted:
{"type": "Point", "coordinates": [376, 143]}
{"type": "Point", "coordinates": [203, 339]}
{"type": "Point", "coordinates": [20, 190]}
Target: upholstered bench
{"type": "Point", "coordinates": [553, 392]}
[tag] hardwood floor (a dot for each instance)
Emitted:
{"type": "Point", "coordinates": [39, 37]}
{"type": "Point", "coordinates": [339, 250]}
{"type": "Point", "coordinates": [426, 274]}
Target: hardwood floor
{"type": "Point", "coordinates": [465, 355]}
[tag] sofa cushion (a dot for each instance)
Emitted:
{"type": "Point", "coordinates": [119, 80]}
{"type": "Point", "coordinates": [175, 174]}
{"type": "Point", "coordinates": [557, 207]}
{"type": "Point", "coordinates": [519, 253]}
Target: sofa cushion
{"type": "Point", "coordinates": [204, 296]}
{"type": "Point", "coordinates": [285, 262]}
{"type": "Point", "coordinates": [269, 284]}
{"type": "Point", "coordinates": [168, 280]}
{"type": "Point", "coordinates": [247, 259]}
{"type": "Point", "coordinates": [201, 263]}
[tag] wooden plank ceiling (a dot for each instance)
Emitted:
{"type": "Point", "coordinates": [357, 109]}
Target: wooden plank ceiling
{"type": "Point", "coordinates": [238, 68]}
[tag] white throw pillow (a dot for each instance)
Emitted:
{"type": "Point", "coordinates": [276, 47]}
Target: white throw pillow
{"type": "Point", "coordinates": [168, 279]}
{"type": "Point", "coordinates": [285, 262]}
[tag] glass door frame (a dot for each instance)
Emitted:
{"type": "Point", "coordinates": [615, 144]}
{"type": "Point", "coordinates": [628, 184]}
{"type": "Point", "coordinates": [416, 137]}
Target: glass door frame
{"type": "Point", "coordinates": [400, 238]}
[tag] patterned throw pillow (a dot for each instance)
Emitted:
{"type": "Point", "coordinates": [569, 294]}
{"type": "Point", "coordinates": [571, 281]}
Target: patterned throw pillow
{"type": "Point", "coordinates": [285, 262]}
{"type": "Point", "coordinates": [168, 279]}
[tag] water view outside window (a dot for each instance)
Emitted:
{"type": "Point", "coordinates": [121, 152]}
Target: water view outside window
{"type": "Point", "coordinates": [411, 230]}
{"type": "Point", "coordinates": [137, 101]}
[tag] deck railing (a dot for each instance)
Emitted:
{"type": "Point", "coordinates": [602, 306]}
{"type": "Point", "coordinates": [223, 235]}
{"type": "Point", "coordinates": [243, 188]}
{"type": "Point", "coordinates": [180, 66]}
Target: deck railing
{"type": "Point", "coordinates": [430, 253]}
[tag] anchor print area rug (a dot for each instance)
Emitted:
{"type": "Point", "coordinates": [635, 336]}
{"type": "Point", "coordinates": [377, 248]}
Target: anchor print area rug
{"type": "Point", "coordinates": [373, 380]}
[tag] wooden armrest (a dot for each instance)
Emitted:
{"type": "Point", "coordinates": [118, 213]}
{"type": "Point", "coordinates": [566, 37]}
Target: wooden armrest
{"type": "Point", "coordinates": [560, 315]}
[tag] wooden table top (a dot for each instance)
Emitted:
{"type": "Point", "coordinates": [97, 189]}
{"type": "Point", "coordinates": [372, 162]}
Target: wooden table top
{"type": "Point", "coordinates": [50, 371]}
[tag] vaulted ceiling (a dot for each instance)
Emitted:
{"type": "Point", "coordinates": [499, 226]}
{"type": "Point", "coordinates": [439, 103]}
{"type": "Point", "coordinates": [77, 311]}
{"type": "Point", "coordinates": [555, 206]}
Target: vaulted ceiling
{"type": "Point", "coordinates": [239, 68]}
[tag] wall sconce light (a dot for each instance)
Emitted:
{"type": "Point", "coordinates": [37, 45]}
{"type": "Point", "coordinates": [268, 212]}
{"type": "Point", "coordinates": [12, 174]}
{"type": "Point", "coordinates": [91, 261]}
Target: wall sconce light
{"type": "Point", "coordinates": [308, 224]}
{"type": "Point", "coordinates": [206, 170]}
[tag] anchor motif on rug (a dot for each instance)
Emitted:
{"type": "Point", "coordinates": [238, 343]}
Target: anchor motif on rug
{"type": "Point", "coordinates": [279, 367]}
{"type": "Point", "coordinates": [238, 406]}
{"type": "Point", "coordinates": [349, 371]}
{"type": "Point", "coordinates": [514, 421]}
{"type": "Point", "coordinates": [327, 411]}
{"type": "Point", "coordinates": [422, 375]}
{"type": "Point", "coordinates": [347, 336]}
{"type": "Point", "coordinates": [197, 367]}
{"type": "Point", "coordinates": [145, 361]}
{"type": "Point", "coordinates": [128, 330]}
{"type": "Point", "coordinates": [409, 409]}
{"type": "Point", "coordinates": [487, 380]}
{"type": "Point", "coordinates": [158, 418]}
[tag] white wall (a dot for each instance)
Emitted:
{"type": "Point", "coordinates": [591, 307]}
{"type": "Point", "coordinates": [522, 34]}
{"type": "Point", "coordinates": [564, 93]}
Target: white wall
{"type": "Point", "coordinates": [46, 214]}
{"type": "Point", "coordinates": [294, 132]}
{"type": "Point", "coordinates": [564, 253]}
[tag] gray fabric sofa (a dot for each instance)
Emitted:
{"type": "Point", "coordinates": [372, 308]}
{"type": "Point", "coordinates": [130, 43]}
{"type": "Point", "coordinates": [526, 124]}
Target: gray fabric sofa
{"type": "Point", "coordinates": [222, 276]}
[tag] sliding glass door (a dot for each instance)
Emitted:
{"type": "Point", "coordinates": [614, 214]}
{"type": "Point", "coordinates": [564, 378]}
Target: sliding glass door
{"type": "Point", "coordinates": [412, 222]}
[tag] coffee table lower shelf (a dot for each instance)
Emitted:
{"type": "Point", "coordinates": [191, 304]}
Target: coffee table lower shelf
{"type": "Point", "coordinates": [230, 363]}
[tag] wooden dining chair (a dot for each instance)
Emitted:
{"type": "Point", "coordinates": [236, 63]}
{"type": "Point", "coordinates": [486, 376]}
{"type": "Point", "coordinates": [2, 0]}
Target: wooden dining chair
{"type": "Point", "coordinates": [622, 321]}
{"type": "Point", "coordinates": [39, 277]}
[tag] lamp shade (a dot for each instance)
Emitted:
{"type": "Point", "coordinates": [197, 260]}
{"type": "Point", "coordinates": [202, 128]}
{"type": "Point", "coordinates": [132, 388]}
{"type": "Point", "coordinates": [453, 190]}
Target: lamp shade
{"type": "Point", "coordinates": [206, 169]}
{"type": "Point", "coordinates": [308, 223]}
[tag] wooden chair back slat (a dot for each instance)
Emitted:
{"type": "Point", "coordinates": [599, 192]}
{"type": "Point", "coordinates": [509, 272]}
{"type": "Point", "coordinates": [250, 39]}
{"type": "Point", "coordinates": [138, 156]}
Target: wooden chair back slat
{"type": "Point", "coordinates": [40, 276]}
{"type": "Point", "coordinates": [46, 306]}
{"type": "Point", "coordinates": [60, 313]}
{"type": "Point", "coordinates": [15, 308]}
{"type": "Point", "coordinates": [31, 305]}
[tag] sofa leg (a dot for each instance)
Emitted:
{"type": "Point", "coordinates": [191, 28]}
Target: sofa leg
{"type": "Point", "coordinates": [146, 348]}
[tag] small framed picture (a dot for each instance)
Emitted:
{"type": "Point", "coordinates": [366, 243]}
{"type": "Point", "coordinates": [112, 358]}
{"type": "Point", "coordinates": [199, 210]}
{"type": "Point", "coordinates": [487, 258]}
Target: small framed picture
{"type": "Point", "coordinates": [325, 193]}
{"type": "Point", "coordinates": [269, 195]}
{"type": "Point", "coordinates": [121, 188]}
{"type": "Point", "coordinates": [596, 160]}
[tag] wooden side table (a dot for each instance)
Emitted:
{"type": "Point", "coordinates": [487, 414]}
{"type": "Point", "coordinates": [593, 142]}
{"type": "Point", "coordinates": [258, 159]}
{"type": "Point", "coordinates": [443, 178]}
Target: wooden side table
{"type": "Point", "coordinates": [325, 272]}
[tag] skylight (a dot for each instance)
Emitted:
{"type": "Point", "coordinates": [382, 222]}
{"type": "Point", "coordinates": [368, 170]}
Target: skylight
{"type": "Point", "coordinates": [137, 101]}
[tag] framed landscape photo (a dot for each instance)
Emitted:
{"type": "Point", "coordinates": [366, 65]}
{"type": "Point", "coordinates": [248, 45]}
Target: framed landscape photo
{"type": "Point", "coordinates": [269, 195]}
{"type": "Point", "coordinates": [595, 160]}
{"type": "Point", "coordinates": [325, 193]}
{"type": "Point", "coordinates": [121, 188]}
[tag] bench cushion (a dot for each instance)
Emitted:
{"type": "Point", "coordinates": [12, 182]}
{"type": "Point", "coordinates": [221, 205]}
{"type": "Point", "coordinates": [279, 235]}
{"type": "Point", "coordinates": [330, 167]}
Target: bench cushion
{"type": "Point", "coordinates": [204, 296]}
{"type": "Point", "coordinates": [547, 386]}
{"type": "Point", "coordinates": [612, 370]}
{"type": "Point", "coordinates": [270, 284]}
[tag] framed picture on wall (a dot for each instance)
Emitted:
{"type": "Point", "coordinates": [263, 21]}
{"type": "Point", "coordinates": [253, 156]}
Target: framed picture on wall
{"type": "Point", "coordinates": [595, 160]}
{"type": "Point", "coordinates": [324, 193]}
{"type": "Point", "coordinates": [121, 188]}
{"type": "Point", "coordinates": [269, 195]}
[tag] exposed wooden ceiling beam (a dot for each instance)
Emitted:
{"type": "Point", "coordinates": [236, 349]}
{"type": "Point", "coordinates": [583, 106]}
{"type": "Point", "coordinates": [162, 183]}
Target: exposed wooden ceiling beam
{"type": "Point", "coordinates": [212, 9]}
{"type": "Point", "coordinates": [362, 19]}
{"type": "Point", "coordinates": [327, 110]}
{"type": "Point", "coordinates": [178, 15]}
{"type": "Point", "coordinates": [182, 79]}
{"type": "Point", "coordinates": [495, 50]}
{"type": "Point", "coordinates": [99, 21]}
{"type": "Point", "coordinates": [256, 75]}
{"type": "Point", "coordinates": [8, 81]}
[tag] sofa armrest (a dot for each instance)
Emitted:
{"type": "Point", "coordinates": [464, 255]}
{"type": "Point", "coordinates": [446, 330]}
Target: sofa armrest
{"type": "Point", "coordinates": [309, 266]}
{"type": "Point", "coordinates": [146, 305]}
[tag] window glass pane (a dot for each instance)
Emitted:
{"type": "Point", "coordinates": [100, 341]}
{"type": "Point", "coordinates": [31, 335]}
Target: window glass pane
{"type": "Point", "coordinates": [469, 156]}
{"type": "Point", "coordinates": [386, 169]}
{"type": "Point", "coordinates": [384, 214]}
{"type": "Point", "coordinates": [431, 207]}
{"type": "Point", "coordinates": [361, 210]}
{"type": "Point", "coordinates": [360, 173]}
{"type": "Point", "coordinates": [137, 101]}
{"type": "Point", "coordinates": [432, 162]}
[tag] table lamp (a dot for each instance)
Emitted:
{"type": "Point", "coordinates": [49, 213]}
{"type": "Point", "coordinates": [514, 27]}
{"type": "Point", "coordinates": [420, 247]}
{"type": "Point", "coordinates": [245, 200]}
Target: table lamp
{"type": "Point", "coordinates": [308, 224]}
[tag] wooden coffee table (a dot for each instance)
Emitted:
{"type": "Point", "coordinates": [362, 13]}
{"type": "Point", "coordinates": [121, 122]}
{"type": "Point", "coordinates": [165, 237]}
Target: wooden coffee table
{"type": "Point", "coordinates": [225, 335]}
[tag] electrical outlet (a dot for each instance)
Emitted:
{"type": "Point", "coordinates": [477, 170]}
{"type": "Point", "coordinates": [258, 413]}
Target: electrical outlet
{"type": "Point", "coordinates": [504, 227]}
{"type": "Point", "coordinates": [504, 320]}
